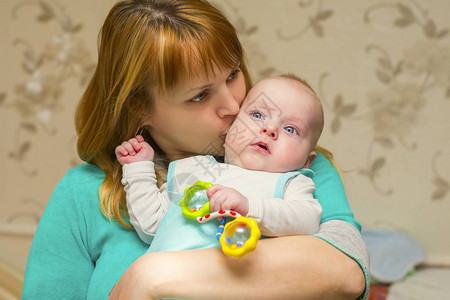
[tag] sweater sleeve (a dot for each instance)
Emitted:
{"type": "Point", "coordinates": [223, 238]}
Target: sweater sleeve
{"type": "Point", "coordinates": [330, 193]}
{"type": "Point", "coordinates": [59, 264]}
{"type": "Point", "coordinates": [297, 213]}
{"type": "Point", "coordinates": [147, 204]}
{"type": "Point", "coordinates": [347, 239]}
{"type": "Point", "coordinates": [338, 225]}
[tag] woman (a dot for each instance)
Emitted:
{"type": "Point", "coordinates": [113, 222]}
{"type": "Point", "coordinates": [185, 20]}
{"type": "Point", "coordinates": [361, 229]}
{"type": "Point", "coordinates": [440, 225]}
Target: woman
{"type": "Point", "coordinates": [174, 71]}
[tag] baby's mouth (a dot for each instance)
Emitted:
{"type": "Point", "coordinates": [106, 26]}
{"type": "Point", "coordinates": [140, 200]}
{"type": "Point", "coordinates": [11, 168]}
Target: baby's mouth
{"type": "Point", "coordinates": [261, 146]}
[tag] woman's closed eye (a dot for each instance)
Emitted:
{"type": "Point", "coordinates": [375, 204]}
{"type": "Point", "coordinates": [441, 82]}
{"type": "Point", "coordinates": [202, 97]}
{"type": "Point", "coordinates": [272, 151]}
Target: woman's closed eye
{"type": "Point", "coordinates": [202, 96]}
{"type": "Point", "coordinates": [234, 74]}
{"type": "Point", "coordinates": [199, 98]}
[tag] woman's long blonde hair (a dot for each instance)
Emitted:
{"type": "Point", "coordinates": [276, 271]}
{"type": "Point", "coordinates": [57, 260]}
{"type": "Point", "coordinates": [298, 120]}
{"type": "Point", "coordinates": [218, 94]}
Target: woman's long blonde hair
{"type": "Point", "coordinates": [145, 44]}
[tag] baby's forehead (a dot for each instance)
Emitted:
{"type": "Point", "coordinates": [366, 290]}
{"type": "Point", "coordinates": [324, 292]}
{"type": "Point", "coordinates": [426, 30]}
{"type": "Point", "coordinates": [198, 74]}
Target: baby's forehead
{"type": "Point", "coordinates": [260, 100]}
{"type": "Point", "coordinates": [278, 82]}
{"type": "Point", "coordinates": [272, 90]}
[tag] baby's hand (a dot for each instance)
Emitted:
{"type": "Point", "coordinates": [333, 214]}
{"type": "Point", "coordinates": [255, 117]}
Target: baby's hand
{"type": "Point", "coordinates": [134, 150]}
{"type": "Point", "coordinates": [226, 198]}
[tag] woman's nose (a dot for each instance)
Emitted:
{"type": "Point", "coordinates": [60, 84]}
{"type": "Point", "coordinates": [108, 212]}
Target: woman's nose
{"type": "Point", "coordinates": [228, 105]}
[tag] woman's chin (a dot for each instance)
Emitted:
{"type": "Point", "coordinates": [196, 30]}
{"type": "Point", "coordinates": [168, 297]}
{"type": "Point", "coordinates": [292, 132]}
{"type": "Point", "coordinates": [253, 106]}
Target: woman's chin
{"type": "Point", "coordinates": [214, 148]}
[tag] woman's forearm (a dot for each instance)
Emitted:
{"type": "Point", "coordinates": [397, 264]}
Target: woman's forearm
{"type": "Point", "coordinates": [296, 267]}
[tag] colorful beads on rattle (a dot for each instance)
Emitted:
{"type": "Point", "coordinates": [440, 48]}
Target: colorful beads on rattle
{"type": "Point", "coordinates": [196, 208]}
{"type": "Point", "coordinates": [236, 236]}
{"type": "Point", "coordinates": [195, 202]}
{"type": "Point", "coordinates": [240, 237]}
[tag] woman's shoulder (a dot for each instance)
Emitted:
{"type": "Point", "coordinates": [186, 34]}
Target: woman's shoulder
{"type": "Point", "coordinates": [80, 182]}
{"type": "Point", "coordinates": [85, 172]}
{"type": "Point", "coordinates": [322, 165]}
{"type": "Point", "coordinates": [325, 173]}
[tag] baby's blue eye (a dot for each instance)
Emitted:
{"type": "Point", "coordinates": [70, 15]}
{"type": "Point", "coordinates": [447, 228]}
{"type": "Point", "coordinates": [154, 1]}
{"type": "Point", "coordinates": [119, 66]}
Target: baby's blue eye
{"type": "Point", "coordinates": [290, 129]}
{"type": "Point", "coordinates": [257, 115]}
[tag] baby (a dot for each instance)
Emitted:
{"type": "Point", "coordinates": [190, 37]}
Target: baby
{"type": "Point", "coordinates": [268, 151]}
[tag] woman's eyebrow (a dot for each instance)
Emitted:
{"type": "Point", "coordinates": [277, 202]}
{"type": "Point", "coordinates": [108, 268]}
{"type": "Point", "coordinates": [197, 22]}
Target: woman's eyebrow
{"type": "Point", "coordinates": [208, 85]}
{"type": "Point", "coordinates": [198, 88]}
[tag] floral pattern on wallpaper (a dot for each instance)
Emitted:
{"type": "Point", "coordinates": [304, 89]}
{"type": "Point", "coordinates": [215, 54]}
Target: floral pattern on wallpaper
{"type": "Point", "coordinates": [441, 185]}
{"type": "Point", "coordinates": [314, 23]}
{"type": "Point", "coordinates": [424, 66]}
{"type": "Point", "coordinates": [38, 97]}
{"type": "Point", "coordinates": [260, 66]}
{"type": "Point", "coordinates": [317, 16]}
{"type": "Point", "coordinates": [46, 70]}
{"type": "Point", "coordinates": [394, 108]}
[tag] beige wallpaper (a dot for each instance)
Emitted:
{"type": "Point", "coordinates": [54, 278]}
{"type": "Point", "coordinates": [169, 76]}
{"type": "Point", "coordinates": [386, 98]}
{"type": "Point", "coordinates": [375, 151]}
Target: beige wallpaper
{"type": "Point", "coordinates": [381, 68]}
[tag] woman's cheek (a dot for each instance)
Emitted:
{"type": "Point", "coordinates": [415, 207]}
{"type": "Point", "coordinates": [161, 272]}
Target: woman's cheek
{"type": "Point", "coordinates": [239, 90]}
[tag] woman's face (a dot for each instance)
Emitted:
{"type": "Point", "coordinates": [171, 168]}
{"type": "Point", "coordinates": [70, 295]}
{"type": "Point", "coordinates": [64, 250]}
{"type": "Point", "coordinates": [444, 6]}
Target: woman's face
{"type": "Point", "coordinates": [194, 117]}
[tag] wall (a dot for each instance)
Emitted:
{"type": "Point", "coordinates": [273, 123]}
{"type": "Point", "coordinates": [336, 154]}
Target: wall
{"type": "Point", "coordinates": [381, 68]}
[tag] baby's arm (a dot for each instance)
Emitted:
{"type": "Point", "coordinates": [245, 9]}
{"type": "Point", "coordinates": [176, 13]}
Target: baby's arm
{"type": "Point", "coordinates": [298, 213]}
{"type": "Point", "coordinates": [146, 203]}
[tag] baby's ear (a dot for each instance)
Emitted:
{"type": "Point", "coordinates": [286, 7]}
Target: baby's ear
{"type": "Point", "coordinates": [312, 156]}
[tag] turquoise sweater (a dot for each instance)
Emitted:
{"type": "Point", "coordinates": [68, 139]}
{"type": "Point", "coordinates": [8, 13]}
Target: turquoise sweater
{"type": "Point", "coordinates": [77, 253]}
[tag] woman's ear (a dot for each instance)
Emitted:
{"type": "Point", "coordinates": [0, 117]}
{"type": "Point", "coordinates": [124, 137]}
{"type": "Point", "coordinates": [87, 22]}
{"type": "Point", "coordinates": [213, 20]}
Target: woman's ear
{"type": "Point", "coordinates": [146, 121]}
{"type": "Point", "coordinates": [312, 156]}
{"type": "Point", "coordinates": [138, 109]}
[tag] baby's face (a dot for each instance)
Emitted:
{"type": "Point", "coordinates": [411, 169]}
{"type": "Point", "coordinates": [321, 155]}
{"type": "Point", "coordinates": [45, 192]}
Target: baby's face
{"type": "Point", "coordinates": [274, 131]}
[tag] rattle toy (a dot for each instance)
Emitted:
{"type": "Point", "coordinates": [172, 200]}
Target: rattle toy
{"type": "Point", "coordinates": [237, 237]}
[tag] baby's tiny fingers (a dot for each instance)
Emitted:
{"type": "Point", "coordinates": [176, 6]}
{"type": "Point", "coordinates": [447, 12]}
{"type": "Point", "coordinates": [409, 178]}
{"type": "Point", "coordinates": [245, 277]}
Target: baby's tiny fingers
{"type": "Point", "coordinates": [215, 203]}
{"type": "Point", "coordinates": [135, 143]}
{"type": "Point", "coordinates": [212, 190]}
{"type": "Point", "coordinates": [129, 148]}
{"type": "Point", "coordinates": [121, 151]}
